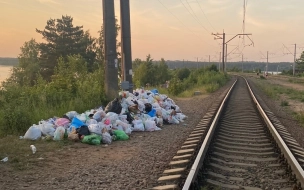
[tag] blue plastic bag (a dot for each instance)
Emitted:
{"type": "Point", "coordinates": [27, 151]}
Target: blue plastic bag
{"type": "Point", "coordinates": [154, 91]}
{"type": "Point", "coordinates": [152, 113]}
{"type": "Point", "coordinates": [77, 123]}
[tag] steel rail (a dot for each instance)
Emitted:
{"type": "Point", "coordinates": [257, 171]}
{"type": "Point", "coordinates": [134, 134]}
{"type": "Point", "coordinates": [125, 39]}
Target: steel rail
{"type": "Point", "coordinates": [293, 163]}
{"type": "Point", "coordinates": [204, 147]}
{"type": "Point", "coordinates": [291, 160]}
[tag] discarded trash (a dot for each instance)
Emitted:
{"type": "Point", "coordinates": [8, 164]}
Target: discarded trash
{"type": "Point", "coordinates": [4, 159]}
{"type": "Point", "coordinates": [33, 149]}
{"type": "Point", "coordinates": [92, 139]}
{"type": "Point", "coordinates": [142, 110]}
{"type": "Point", "coordinates": [33, 133]}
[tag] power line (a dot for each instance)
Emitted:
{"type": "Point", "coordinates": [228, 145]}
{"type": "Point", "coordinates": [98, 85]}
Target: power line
{"type": "Point", "coordinates": [205, 15]}
{"type": "Point", "coordinates": [182, 22]}
{"type": "Point", "coordinates": [194, 15]}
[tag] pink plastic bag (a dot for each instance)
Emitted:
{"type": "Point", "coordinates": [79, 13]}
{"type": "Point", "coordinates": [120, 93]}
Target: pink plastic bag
{"type": "Point", "coordinates": [63, 122]}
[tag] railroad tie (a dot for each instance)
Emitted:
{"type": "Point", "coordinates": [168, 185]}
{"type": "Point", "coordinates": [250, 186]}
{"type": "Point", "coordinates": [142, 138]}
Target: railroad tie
{"type": "Point", "coordinates": [189, 146]}
{"type": "Point", "coordinates": [179, 162]}
{"type": "Point", "coordinates": [196, 134]}
{"type": "Point", "coordinates": [166, 187]}
{"type": "Point", "coordinates": [199, 128]}
{"type": "Point", "coordinates": [191, 142]}
{"type": "Point", "coordinates": [170, 178]}
{"type": "Point", "coordinates": [193, 138]}
{"type": "Point", "coordinates": [182, 156]}
{"type": "Point", "coordinates": [197, 131]}
{"type": "Point", "coordinates": [174, 171]}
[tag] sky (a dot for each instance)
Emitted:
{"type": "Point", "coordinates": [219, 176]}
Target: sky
{"type": "Point", "coordinates": [172, 29]}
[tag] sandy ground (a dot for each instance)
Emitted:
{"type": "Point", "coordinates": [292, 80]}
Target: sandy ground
{"type": "Point", "coordinates": [294, 105]}
{"type": "Point", "coordinates": [133, 164]}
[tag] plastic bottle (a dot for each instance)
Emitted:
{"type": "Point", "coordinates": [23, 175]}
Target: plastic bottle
{"type": "Point", "coordinates": [65, 135]}
{"type": "Point", "coordinates": [33, 149]}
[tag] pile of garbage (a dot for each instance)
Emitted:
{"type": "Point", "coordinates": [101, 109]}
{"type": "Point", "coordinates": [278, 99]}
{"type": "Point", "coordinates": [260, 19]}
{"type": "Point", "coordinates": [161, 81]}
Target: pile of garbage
{"type": "Point", "coordinates": [142, 110]}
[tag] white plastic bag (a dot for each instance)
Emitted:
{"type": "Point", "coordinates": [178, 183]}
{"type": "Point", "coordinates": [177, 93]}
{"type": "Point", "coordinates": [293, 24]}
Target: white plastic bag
{"type": "Point", "coordinates": [59, 133]}
{"type": "Point", "coordinates": [173, 120]}
{"type": "Point", "coordinates": [71, 114]}
{"type": "Point", "coordinates": [96, 128]}
{"type": "Point", "coordinates": [91, 121]}
{"type": "Point", "coordinates": [138, 125]}
{"type": "Point", "coordinates": [150, 125]}
{"type": "Point", "coordinates": [82, 117]}
{"type": "Point", "coordinates": [106, 138]}
{"type": "Point", "coordinates": [33, 133]}
{"type": "Point", "coordinates": [99, 115]}
{"type": "Point", "coordinates": [112, 116]}
{"type": "Point", "coordinates": [128, 130]}
{"type": "Point", "coordinates": [47, 128]}
{"type": "Point", "coordinates": [123, 118]}
{"type": "Point", "coordinates": [180, 116]}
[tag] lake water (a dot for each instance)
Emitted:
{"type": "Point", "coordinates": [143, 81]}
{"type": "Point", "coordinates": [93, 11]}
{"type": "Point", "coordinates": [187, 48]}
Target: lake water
{"type": "Point", "coordinates": [5, 72]}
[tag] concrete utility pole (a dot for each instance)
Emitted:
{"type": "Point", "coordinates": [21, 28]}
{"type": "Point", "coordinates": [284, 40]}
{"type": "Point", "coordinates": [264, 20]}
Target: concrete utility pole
{"type": "Point", "coordinates": [223, 58]}
{"type": "Point", "coordinates": [242, 63]}
{"type": "Point", "coordinates": [266, 65]}
{"type": "Point", "coordinates": [197, 62]}
{"type": "Point", "coordinates": [295, 58]}
{"type": "Point", "coordinates": [225, 43]}
{"type": "Point", "coordinates": [220, 61]}
{"type": "Point", "coordinates": [111, 62]}
{"type": "Point", "coordinates": [226, 56]}
{"type": "Point", "coordinates": [126, 53]}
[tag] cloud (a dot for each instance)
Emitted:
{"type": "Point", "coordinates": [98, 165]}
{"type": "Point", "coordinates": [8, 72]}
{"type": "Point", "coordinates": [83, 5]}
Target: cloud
{"type": "Point", "coordinates": [174, 28]}
{"type": "Point", "coordinates": [255, 22]}
{"type": "Point", "coordinates": [4, 2]}
{"type": "Point", "coordinates": [48, 2]}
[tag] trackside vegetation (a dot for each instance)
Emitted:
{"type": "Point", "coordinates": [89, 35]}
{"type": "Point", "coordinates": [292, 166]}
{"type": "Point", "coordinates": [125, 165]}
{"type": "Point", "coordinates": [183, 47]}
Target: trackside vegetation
{"type": "Point", "coordinates": [66, 72]}
{"type": "Point", "coordinates": [275, 91]}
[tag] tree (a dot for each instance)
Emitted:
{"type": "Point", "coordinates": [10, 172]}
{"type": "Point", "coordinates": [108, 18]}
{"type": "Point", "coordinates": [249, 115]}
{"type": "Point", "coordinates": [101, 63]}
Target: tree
{"type": "Point", "coordinates": [100, 51]}
{"type": "Point", "coordinates": [162, 72]}
{"type": "Point", "coordinates": [183, 73]}
{"type": "Point", "coordinates": [136, 63]}
{"type": "Point", "coordinates": [300, 63]}
{"type": "Point", "coordinates": [64, 39]}
{"type": "Point", "coordinates": [28, 68]}
{"type": "Point", "coordinates": [140, 78]}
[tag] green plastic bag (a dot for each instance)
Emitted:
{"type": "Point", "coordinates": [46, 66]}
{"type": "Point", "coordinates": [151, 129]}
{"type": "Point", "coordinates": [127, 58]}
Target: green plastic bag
{"type": "Point", "coordinates": [92, 139]}
{"type": "Point", "coordinates": [120, 135]}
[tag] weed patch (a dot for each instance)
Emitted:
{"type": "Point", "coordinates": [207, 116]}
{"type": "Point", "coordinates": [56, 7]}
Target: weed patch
{"type": "Point", "coordinates": [284, 103]}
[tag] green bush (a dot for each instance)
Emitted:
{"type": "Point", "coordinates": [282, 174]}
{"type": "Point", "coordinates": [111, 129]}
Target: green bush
{"type": "Point", "coordinates": [72, 88]}
{"type": "Point", "coordinates": [209, 78]}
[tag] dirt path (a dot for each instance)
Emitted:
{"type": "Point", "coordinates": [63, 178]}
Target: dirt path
{"type": "Point", "coordinates": [135, 164]}
{"type": "Point", "coordinates": [284, 81]}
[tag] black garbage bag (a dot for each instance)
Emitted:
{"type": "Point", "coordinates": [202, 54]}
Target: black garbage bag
{"type": "Point", "coordinates": [148, 107]}
{"type": "Point", "coordinates": [129, 117]}
{"type": "Point", "coordinates": [114, 106]}
{"type": "Point", "coordinates": [83, 130]}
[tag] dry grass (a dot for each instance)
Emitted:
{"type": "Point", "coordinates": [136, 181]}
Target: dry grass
{"type": "Point", "coordinates": [19, 153]}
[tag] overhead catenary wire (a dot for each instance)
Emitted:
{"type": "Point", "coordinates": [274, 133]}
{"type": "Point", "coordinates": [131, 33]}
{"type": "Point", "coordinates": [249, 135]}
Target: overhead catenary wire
{"type": "Point", "coordinates": [205, 15]}
{"type": "Point", "coordinates": [182, 22]}
{"type": "Point", "coordinates": [194, 15]}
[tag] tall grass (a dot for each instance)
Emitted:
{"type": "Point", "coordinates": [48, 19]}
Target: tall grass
{"type": "Point", "coordinates": [70, 89]}
{"type": "Point", "coordinates": [202, 79]}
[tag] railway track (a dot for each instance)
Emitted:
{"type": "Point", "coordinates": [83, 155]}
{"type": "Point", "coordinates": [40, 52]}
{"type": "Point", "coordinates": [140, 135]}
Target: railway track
{"type": "Point", "coordinates": [237, 145]}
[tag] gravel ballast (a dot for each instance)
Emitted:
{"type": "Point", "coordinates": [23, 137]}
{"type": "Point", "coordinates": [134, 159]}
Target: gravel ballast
{"type": "Point", "coordinates": [133, 164]}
